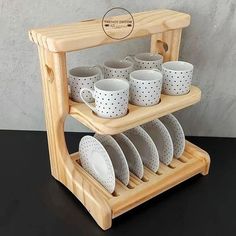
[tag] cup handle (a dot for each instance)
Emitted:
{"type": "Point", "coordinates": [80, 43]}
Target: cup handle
{"type": "Point", "coordinates": [68, 87]}
{"type": "Point", "coordinates": [156, 70]}
{"type": "Point", "coordinates": [69, 90]}
{"type": "Point", "coordinates": [130, 58]}
{"type": "Point", "coordinates": [93, 108]}
{"type": "Point", "coordinates": [101, 69]}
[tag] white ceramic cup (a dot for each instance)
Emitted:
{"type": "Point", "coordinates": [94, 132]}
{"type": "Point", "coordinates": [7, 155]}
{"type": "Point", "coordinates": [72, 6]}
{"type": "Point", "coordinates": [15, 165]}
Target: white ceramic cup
{"type": "Point", "coordinates": [143, 61]}
{"type": "Point", "coordinates": [145, 87]}
{"type": "Point", "coordinates": [111, 98]}
{"type": "Point", "coordinates": [83, 77]}
{"type": "Point", "coordinates": [117, 69]}
{"type": "Point", "coordinates": [177, 77]}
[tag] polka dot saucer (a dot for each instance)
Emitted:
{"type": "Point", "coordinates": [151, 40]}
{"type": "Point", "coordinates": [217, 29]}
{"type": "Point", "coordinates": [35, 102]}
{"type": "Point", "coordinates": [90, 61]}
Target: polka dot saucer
{"type": "Point", "coordinates": [117, 157]}
{"type": "Point", "coordinates": [145, 146]}
{"type": "Point", "coordinates": [131, 153]}
{"type": "Point", "coordinates": [176, 132]}
{"type": "Point", "coordinates": [96, 161]}
{"type": "Point", "coordinates": [162, 139]}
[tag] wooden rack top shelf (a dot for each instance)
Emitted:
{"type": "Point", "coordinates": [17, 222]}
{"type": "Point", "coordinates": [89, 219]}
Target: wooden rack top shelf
{"type": "Point", "coordinates": [136, 116]}
{"type": "Point", "coordinates": [86, 34]}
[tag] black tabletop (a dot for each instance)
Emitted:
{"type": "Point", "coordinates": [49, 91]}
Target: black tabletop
{"type": "Point", "coordinates": [33, 203]}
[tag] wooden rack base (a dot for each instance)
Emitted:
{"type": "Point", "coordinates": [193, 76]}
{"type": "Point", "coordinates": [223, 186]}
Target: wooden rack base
{"type": "Point", "coordinates": [104, 206]}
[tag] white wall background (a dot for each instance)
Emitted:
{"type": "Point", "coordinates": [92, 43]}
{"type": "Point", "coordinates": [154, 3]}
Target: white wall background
{"type": "Point", "coordinates": [209, 43]}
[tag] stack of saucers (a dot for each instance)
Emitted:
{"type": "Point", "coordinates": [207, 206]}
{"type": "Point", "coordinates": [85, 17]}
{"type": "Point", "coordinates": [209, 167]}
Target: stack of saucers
{"type": "Point", "coordinates": [107, 157]}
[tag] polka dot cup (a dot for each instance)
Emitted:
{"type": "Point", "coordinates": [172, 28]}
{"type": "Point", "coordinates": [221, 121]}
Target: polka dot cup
{"type": "Point", "coordinates": [117, 69]}
{"type": "Point", "coordinates": [111, 98]}
{"type": "Point", "coordinates": [143, 61]}
{"type": "Point", "coordinates": [83, 77]}
{"type": "Point", "coordinates": [145, 87]}
{"type": "Point", "coordinates": [177, 77]}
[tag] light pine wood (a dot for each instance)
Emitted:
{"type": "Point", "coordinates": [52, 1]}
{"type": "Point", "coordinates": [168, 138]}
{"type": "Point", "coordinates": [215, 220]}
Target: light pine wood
{"type": "Point", "coordinates": [165, 28]}
{"type": "Point", "coordinates": [136, 116]}
{"type": "Point", "coordinates": [191, 150]}
{"type": "Point", "coordinates": [63, 168]}
{"type": "Point", "coordinates": [179, 170]}
{"type": "Point", "coordinates": [86, 34]}
{"type": "Point", "coordinates": [171, 39]}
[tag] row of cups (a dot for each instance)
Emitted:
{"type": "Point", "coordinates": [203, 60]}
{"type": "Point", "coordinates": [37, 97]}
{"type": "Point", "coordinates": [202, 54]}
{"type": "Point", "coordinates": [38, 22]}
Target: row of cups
{"type": "Point", "coordinates": [139, 80]}
{"type": "Point", "coordinates": [107, 157]}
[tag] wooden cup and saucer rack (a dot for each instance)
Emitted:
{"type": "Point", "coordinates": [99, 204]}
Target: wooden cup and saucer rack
{"type": "Point", "coordinates": [165, 28]}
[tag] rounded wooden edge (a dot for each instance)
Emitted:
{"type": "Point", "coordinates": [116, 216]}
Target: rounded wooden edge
{"type": "Point", "coordinates": [198, 152]}
{"type": "Point", "coordinates": [87, 194]}
{"type": "Point", "coordinates": [176, 20]}
{"type": "Point", "coordinates": [97, 125]}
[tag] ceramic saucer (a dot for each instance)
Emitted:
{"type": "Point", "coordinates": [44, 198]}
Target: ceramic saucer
{"type": "Point", "coordinates": [162, 139]}
{"type": "Point", "coordinates": [176, 132]}
{"type": "Point", "coordinates": [96, 161]}
{"type": "Point", "coordinates": [117, 157]}
{"type": "Point", "coordinates": [145, 146]}
{"type": "Point", "coordinates": [131, 153]}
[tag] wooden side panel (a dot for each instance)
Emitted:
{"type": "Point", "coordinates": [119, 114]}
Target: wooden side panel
{"type": "Point", "coordinates": [53, 68]}
{"type": "Point", "coordinates": [171, 39]}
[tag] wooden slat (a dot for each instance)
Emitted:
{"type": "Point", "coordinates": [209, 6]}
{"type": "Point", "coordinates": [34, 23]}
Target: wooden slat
{"type": "Point", "coordinates": [164, 168]}
{"type": "Point", "coordinates": [134, 179]}
{"type": "Point", "coordinates": [175, 163]}
{"type": "Point", "coordinates": [136, 116]}
{"type": "Point", "coordinates": [148, 174]}
{"type": "Point", "coordinates": [183, 159]}
{"type": "Point", "coordinates": [85, 34]}
{"type": "Point", "coordinates": [120, 188]}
